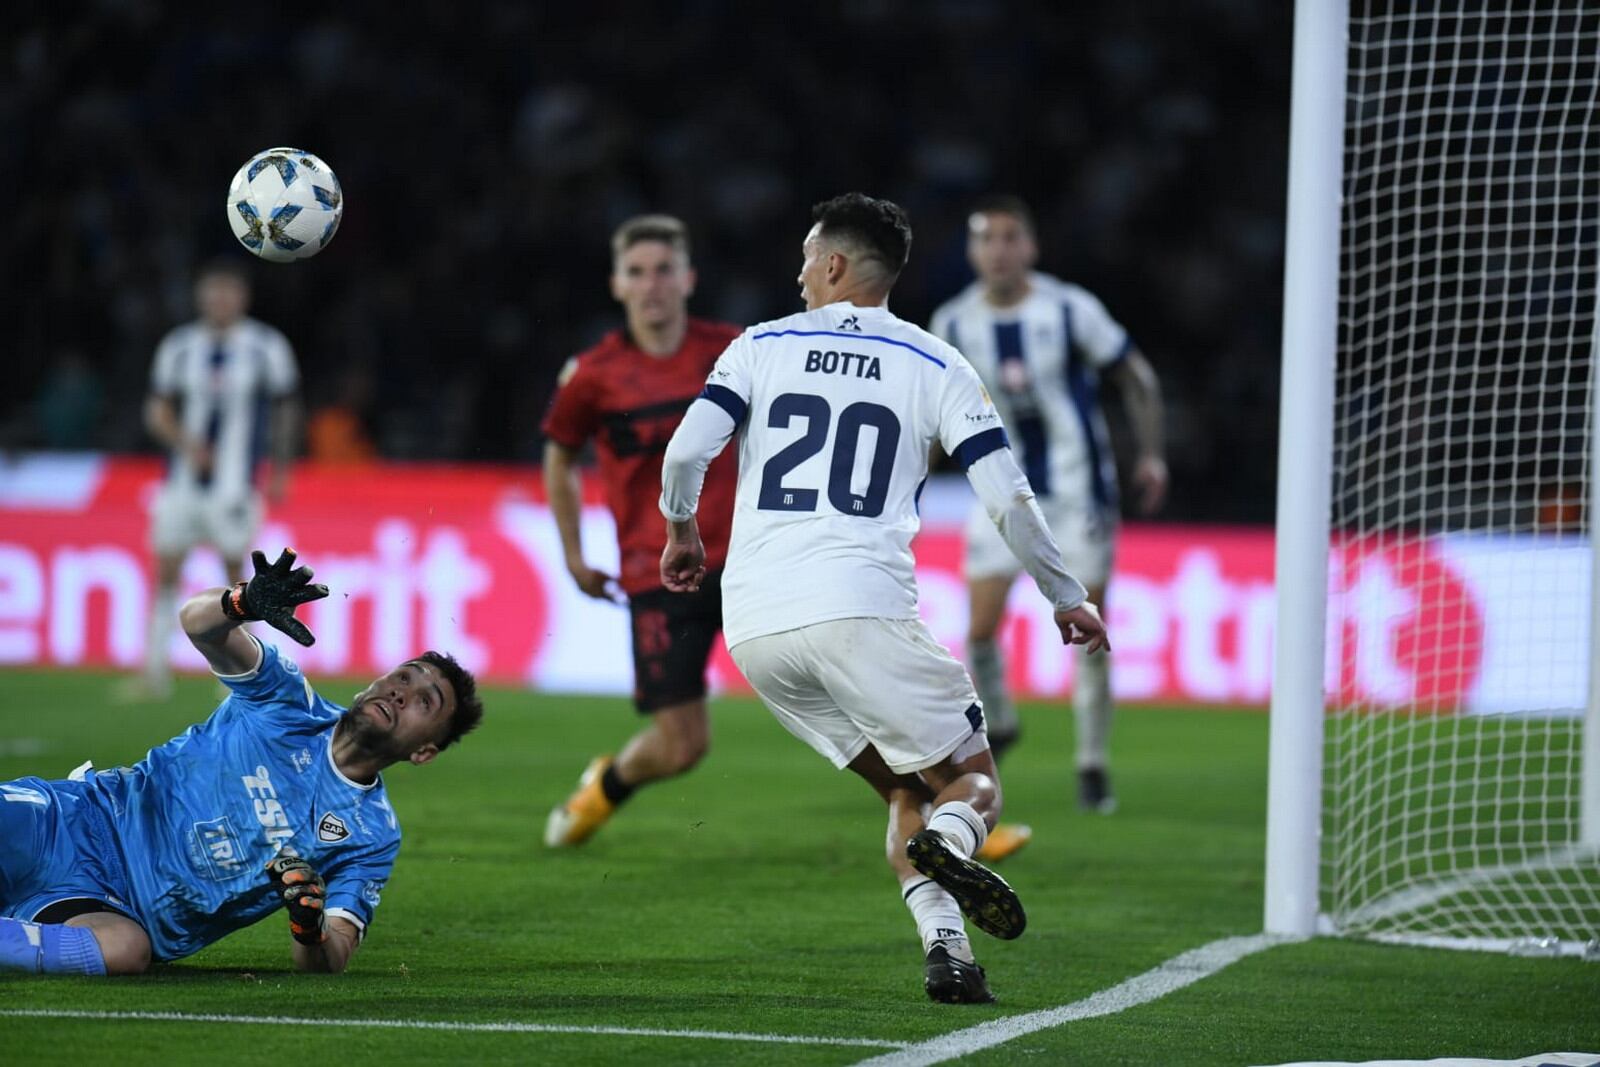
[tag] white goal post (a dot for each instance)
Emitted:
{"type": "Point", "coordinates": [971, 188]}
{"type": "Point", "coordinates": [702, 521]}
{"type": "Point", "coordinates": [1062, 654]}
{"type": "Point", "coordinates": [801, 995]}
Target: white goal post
{"type": "Point", "coordinates": [1435, 729]}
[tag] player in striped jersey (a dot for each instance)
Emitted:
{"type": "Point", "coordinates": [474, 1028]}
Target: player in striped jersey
{"type": "Point", "coordinates": [1042, 347]}
{"type": "Point", "coordinates": [222, 387]}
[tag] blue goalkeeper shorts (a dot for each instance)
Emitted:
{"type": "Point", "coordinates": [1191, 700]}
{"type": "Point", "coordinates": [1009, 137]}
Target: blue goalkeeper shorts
{"type": "Point", "coordinates": [56, 849]}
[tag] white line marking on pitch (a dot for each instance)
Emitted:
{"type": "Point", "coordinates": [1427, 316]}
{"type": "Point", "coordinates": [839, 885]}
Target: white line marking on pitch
{"type": "Point", "coordinates": [1171, 976]}
{"type": "Point", "coordinates": [428, 1024]}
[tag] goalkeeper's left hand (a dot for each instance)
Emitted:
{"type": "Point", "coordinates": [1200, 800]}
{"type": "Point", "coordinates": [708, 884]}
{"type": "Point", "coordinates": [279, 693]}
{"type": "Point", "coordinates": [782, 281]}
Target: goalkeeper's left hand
{"type": "Point", "coordinates": [273, 594]}
{"type": "Point", "coordinates": [304, 894]}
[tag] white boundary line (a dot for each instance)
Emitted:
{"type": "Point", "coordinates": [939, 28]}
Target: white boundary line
{"type": "Point", "coordinates": [1175, 974]}
{"type": "Point", "coordinates": [427, 1024]}
{"type": "Point", "coordinates": [1169, 977]}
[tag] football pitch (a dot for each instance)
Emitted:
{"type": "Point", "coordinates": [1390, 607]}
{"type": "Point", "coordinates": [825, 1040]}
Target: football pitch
{"type": "Point", "coordinates": [743, 914]}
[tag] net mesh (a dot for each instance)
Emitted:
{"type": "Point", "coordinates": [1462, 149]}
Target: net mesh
{"type": "Point", "coordinates": [1459, 582]}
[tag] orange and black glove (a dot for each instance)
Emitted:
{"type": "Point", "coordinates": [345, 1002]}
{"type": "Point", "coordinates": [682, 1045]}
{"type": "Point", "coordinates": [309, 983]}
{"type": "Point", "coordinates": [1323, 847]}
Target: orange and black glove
{"type": "Point", "coordinates": [304, 894]}
{"type": "Point", "coordinates": [273, 594]}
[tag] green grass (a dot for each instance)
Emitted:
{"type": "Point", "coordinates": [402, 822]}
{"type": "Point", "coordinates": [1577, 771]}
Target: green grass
{"type": "Point", "coordinates": [751, 896]}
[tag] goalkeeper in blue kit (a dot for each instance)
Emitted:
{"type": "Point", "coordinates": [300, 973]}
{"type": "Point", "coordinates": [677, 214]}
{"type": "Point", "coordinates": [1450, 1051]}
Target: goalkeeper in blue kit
{"type": "Point", "coordinates": [275, 801]}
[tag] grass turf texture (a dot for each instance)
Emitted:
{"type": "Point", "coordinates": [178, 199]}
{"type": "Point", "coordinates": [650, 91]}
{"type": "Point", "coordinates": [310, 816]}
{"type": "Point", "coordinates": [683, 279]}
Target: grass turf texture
{"type": "Point", "coordinates": [750, 896]}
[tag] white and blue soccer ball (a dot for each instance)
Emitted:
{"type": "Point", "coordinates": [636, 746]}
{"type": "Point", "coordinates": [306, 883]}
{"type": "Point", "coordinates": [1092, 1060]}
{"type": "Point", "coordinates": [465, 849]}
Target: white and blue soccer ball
{"type": "Point", "coordinates": [285, 204]}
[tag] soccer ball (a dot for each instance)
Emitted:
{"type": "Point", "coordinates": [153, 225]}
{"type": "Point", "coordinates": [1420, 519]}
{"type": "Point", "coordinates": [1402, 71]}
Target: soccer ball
{"type": "Point", "coordinates": [285, 204]}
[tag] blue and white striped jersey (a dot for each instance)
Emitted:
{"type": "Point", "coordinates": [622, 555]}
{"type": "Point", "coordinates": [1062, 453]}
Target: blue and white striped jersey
{"type": "Point", "coordinates": [223, 385]}
{"type": "Point", "coordinates": [1041, 360]}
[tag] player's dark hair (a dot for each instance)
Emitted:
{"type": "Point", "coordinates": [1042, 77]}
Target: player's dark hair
{"type": "Point", "coordinates": [469, 708]}
{"type": "Point", "coordinates": [225, 267]}
{"type": "Point", "coordinates": [663, 228]}
{"type": "Point", "coordinates": [879, 227]}
{"type": "Point", "coordinates": [1006, 204]}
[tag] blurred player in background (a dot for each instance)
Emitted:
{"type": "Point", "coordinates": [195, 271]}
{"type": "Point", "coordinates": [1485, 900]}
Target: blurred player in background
{"type": "Point", "coordinates": [1041, 347]}
{"type": "Point", "coordinates": [628, 394]}
{"type": "Point", "coordinates": [223, 387]}
{"type": "Point", "coordinates": [275, 801]}
{"type": "Point", "coordinates": [835, 410]}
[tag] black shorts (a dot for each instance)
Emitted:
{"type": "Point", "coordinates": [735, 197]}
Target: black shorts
{"type": "Point", "coordinates": [672, 638]}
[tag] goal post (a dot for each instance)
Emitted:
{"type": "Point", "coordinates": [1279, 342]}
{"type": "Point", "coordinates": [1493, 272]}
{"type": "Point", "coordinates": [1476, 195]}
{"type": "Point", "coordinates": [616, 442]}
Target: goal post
{"type": "Point", "coordinates": [1435, 730]}
{"type": "Point", "coordinates": [1589, 814]}
{"type": "Point", "coordinates": [1305, 465]}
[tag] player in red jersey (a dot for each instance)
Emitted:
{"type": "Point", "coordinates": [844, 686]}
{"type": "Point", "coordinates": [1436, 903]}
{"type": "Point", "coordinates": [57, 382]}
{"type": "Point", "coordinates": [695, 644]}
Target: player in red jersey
{"type": "Point", "coordinates": [628, 393]}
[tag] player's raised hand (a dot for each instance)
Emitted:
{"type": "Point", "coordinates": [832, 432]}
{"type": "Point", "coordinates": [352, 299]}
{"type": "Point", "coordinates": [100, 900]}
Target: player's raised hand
{"type": "Point", "coordinates": [683, 561]}
{"type": "Point", "coordinates": [1083, 626]}
{"type": "Point", "coordinates": [304, 895]}
{"type": "Point", "coordinates": [273, 594]}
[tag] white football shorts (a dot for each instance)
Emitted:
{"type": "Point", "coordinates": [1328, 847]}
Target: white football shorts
{"type": "Point", "coordinates": [183, 517]}
{"type": "Point", "coordinates": [842, 685]}
{"type": "Point", "coordinates": [1087, 536]}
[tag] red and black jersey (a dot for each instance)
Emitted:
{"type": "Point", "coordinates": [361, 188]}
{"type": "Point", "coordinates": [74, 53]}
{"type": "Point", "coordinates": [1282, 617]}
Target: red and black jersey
{"type": "Point", "coordinates": [630, 402]}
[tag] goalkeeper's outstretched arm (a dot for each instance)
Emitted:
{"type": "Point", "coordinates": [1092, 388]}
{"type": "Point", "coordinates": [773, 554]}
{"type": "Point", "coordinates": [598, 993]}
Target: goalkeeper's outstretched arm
{"type": "Point", "coordinates": [211, 619]}
{"type": "Point", "coordinates": [229, 649]}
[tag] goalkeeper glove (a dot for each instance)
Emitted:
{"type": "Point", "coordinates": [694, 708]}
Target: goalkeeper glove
{"type": "Point", "coordinates": [272, 595]}
{"type": "Point", "coordinates": [304, 894]}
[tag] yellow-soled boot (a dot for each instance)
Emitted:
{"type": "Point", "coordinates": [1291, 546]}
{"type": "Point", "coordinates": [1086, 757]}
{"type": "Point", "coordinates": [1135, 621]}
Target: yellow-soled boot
{"type": "Point", "coordinates": [584, 812]}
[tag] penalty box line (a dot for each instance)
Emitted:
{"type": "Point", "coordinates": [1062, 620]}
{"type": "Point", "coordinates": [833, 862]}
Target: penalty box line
{"type": "Point", "coordinates": [1171, 976]}
{"type": "Point", "coordinates": [434, 1024]}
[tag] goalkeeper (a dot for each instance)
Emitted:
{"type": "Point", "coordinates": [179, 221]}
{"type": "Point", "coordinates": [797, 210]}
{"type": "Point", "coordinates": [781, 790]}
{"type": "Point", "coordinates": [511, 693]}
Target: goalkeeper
{"type": "Point", "coordinates": [273, 802]}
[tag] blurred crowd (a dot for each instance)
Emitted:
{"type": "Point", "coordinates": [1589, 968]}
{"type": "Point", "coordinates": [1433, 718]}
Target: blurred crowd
{"type": "Point", "coordinates": [487, 149]}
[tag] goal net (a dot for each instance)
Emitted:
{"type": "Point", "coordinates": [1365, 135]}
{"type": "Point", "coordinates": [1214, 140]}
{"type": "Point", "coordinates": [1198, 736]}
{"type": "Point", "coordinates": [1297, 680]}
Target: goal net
{"type": "Point", "coordinates": [1459, 597]}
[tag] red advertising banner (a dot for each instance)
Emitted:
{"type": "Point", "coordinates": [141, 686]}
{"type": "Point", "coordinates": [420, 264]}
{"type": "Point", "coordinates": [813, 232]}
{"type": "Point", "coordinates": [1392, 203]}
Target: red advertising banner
{"type": "Point", "coordinates": [467, 559]}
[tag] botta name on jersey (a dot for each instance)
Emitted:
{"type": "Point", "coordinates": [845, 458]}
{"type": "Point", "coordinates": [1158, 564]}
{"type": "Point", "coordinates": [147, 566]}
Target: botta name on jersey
{"type": "Point", "coordinates": [845, 363]}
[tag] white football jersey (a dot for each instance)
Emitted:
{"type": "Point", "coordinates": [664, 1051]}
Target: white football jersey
{"type": "Point", "coordinates": [223, 385]}
{"type": "Point", "coordinates": [1041, 361]}
{"type": "Point", "coordinates": [836, 410]}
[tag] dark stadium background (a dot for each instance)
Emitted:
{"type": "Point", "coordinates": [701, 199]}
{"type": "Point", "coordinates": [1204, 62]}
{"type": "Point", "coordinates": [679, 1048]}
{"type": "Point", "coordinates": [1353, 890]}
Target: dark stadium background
{"type": "Point", "coordinates": [487, 149]}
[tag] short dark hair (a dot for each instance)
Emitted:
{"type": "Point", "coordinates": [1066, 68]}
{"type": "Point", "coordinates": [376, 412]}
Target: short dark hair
{"type": "Point", "coordinates": [1006, 204]}
{"type": "Point", "coordinates": [469, 708]}
{"type": "Point", "coordinates": [879, 227]}
{"type": "Point", "coordinates": [664, 228]}
{"type": "Point", "coordinates": [225, 267]}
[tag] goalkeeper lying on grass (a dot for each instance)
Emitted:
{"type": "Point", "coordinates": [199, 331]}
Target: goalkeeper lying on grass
{"type": "Point", "coordinates": [274, 801]}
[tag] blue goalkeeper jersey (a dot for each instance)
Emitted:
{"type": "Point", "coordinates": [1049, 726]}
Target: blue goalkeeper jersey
{"type": "Point", "coordinates": [199, 817]}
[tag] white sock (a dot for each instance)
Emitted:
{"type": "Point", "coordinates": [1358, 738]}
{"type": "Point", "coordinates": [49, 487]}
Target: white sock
{"type": "Point", "coordinates": [937, 916]}
{"type": "Point", "coordinates": [961, 825]}
{"type": "Point", "coordinates": [163, 612]}
{"type": "Point", "coordinates": [1091, 707]}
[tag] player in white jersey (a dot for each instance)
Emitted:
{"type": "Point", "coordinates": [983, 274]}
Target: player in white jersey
{"type": "Point", "coordinates": [1042, 347]}
{"type": "Point", "coordinates": [221, 387]}
{"type": "Point", "coordinates": [835, 410]}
